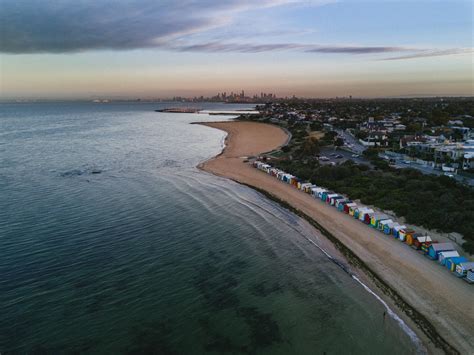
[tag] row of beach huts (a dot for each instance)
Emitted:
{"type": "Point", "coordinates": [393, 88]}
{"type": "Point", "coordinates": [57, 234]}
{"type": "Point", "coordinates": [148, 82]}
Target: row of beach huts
{"type": "Point", "coordinates": [444, 253]}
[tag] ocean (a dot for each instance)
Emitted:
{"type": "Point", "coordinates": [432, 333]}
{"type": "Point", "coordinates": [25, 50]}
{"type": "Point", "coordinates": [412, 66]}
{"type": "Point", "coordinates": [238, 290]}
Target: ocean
{"type": "Point", "coordinates": [112, 241]}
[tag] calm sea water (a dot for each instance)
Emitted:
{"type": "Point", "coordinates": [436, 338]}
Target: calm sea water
{"type": "Point", "coordinates": [111, 241]}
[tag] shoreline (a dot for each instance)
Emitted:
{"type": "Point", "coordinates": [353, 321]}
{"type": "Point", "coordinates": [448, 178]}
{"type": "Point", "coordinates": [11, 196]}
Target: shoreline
{"type": "Point", "coordinates": [250, 139]}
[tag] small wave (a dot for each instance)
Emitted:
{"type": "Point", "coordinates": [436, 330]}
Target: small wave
{"type": "Point", "coordinates": [169, 163]}
{"type": "Point", "coordinates": [79, 172]}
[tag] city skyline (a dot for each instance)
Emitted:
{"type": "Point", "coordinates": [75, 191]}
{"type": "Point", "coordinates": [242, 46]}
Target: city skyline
{"type": "Point", "coordinates": [305, 48]}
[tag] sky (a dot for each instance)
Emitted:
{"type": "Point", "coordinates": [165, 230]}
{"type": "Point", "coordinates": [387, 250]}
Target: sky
{"type": "Point", "coordinates": [162, 48]}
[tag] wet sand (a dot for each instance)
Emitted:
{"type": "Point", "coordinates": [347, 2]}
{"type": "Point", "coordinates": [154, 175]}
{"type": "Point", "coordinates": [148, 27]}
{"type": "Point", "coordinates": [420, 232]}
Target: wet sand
{"type": "Point", "coordinates": [442, 300]}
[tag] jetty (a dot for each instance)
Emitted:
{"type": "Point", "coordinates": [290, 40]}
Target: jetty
{"type": "Point", "coordinates": [180, 110]}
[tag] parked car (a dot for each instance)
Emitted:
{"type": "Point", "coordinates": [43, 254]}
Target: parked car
{"type": "Point", "coordinates": [355, 155]}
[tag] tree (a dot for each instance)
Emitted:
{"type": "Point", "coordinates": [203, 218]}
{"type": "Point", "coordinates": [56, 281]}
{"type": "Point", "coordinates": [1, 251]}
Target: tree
{"type": "Point", "coordinates": [338, 142]}
{"type": "Point", "coordinates": [310, 146]}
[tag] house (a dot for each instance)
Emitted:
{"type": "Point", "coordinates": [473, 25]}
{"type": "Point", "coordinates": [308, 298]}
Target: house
{"type": "Point", "coordinates": [435, 249]}
{"type": "Point", "coordinates": [451, 263]}
{"type": "Point", "coordinates": [462, 268]}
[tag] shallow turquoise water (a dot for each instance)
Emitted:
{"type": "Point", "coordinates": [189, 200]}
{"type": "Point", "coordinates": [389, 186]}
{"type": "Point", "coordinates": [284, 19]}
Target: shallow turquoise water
{"type": "Point", "coordinates": [111, 241]}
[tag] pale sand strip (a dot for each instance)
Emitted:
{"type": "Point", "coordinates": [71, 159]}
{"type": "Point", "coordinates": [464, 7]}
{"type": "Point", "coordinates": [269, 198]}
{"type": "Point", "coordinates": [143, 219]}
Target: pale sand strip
{"type": "Point", "coordinates": [446, 301]}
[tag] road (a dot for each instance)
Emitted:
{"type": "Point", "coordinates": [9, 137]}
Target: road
{"type": "Point", "coordinates": [355, 145]}
{"type": "Point", "coordinates": [399, 164]}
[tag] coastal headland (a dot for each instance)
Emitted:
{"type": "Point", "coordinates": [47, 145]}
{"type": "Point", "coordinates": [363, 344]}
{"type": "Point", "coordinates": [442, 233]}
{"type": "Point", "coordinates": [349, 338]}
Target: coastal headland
{"type": "Point", "coordinates": [437, 305]}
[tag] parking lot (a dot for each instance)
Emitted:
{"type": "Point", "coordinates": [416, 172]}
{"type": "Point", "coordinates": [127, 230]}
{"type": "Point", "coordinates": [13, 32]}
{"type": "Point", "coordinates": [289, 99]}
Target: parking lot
{"type": "Point", "coordinates": [331, 156]}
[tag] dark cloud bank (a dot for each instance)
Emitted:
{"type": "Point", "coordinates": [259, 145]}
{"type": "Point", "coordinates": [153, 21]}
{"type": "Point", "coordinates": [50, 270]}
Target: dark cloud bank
{"type": "Point", "coordinates": [28, 26]}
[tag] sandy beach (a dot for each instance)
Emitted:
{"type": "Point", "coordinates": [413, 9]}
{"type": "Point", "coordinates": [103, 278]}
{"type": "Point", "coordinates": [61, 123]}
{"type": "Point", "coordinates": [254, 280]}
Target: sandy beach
{"type": "Point", "coordinates": [445, 301]}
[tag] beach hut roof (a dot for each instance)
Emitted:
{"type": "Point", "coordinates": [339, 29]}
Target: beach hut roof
{"type": "Point", "coordinates": [399, 227]}
{"type": "Point", "coordinates": [467, 265]}
{"type": "Point", "coordinates": [424, 239]}
{"type": "Point", "coordinates": [457, 259]}
{"type": "Point", "coordinates": [449, 254]}
{"type": "Point", "coordinates": [442, 247]}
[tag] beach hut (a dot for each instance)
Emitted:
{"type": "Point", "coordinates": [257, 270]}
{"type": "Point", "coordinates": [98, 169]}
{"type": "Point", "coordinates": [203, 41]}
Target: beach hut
{"type": "Point", "coordinates": [376, 218]}
{"type": "Point", "coordinates": [387, 227]}
{"type": "Point", "coordinates": [410, 237]}
{"type": "Point", "coordinates": [303, 186]}
{"type": "Point", "coordinates": [446, 254]}
{"type": "Point", "coordinates": [382, 223]}
{"type": "Point", "coordinates": [359, 211]}
{"type": "Point", "coordinates": [404, 233]}
{"type": "Point", "coordinates": [309, 189]}
{"type": "Point", "coordinates": [330, 196]}
{"type": "Point", "coordinates": [342, 206]}
{"type": "Point", "coordinates": [368, 217]}
{"type": "Point", "coordinates": [325, 195]}
{"type": "Point", "coordinates": [315, 191]}
{"type": "Point", "coordinates": [333, 200]}
{"type": "Point", "coordinates": [340, 201]}
{"type": "Point", "coordinates": [421, 240]}
{"type": "Point", "coordinates": [353, 209]}
{"type": "Point", "coordinates": [350, 208]}
{"type": "Point", "coordinates": [425, 247]}
{"type": "Point", "coordinates": [294, 181]}
{"type": "Point", "coordinates": [288, 178]}
{"type": "Point", "coordinates": [319, 194]}
{"type": "Point", "coordinates": [451, 263]}
{"type": "Point", "coordinates": [462, 268]}
{"type": "Point", "coordinates": [435, 249]}
{"type": "Point", "coordinates": [396, 230]}
{"type": "Point", "coordinates": [364, 214]}
{"type": "Point", "coordinates": [470, 276]}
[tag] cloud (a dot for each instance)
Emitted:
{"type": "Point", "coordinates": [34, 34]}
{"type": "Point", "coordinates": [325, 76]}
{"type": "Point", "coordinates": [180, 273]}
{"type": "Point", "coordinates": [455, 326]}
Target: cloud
{"type": "Point", "coordinates": [309, 48]}
{"type": "Point", "coordinates": [29, 26]}
{"type": "Point", "coordinates": [433, 53]}
{"type": "Point", "coordinates": [62, 26]}
{"type": "Point", "coordinates": [224, 47]}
